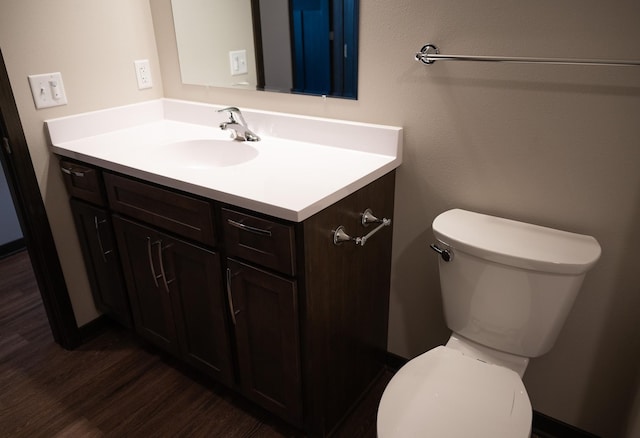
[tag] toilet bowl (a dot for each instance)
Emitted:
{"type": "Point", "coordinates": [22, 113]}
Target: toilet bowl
{"type": "Point", "coordinates": [443, 393]}
{"type": "Point", "coordinates": [507, 288]}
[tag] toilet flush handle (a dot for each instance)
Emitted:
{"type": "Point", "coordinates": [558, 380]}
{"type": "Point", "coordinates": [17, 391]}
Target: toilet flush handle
{"type": "Point", "coordinates": [446, 254]}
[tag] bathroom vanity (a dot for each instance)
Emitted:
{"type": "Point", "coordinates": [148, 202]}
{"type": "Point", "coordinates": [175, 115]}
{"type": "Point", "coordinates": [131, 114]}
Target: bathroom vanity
{"type": "Point", "coordinates": [234, 268]}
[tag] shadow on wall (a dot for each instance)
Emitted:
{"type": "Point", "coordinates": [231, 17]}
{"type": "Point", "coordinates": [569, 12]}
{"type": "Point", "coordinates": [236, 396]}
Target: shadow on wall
{"type": "Point", "coordinates": [616, 370]}
{"type": "Point", "coordinates": [422, 296]}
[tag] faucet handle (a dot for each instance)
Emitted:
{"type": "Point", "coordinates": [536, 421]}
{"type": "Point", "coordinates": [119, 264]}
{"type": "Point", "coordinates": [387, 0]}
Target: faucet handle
{"type": "Point", "coordinates": [231, 109]}
{"type": "Point", "coordinates": [233, 112]}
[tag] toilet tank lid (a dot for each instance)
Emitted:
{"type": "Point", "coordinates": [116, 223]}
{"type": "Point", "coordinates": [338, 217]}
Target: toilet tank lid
{"type": "Point", "coordinates": [516, 243]}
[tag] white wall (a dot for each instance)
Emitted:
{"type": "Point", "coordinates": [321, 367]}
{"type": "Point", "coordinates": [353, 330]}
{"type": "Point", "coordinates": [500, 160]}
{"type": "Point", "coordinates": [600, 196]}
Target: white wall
{"type": "Point", "coordinates": [93, 44]}
{"type": "Point", "coordinates": [206, 36]}
{"type": "Point", "coordinates": [552, 145]}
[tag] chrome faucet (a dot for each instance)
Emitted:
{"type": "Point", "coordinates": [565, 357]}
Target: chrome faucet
{"type": "Point", "coordinates": [237, 125]}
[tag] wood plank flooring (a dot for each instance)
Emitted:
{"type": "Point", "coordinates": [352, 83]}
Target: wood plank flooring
{"type": "Point", "coordinates": [112, 386]}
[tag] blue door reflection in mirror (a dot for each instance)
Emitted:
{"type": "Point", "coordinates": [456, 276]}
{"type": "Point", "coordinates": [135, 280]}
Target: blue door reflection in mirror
{"type": "Point", "coordinates": [324, 47]}
{"type": "Point", "coordinates": [311, 43]}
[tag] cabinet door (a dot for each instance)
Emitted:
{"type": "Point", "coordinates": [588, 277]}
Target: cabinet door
{"type": "Point", "coordinates": [200, 309]}
{"type": "Point", "coordinates": [140, 248]}
{"type": "Point", "coordinates": [177, 297]}
{"type": "Point", "coordinates": [265, 313]}
{"type": "Point", "coordinates": [101, 259]}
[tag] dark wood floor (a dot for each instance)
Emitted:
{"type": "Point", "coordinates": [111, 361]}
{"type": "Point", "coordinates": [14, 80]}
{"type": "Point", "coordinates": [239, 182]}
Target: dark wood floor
{"type": "Point", "coordinates": [113, 386]}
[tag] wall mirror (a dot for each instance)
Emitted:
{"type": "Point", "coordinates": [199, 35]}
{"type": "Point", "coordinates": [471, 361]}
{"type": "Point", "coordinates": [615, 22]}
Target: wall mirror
{"type": "Point", "coordinates": [292, 46]}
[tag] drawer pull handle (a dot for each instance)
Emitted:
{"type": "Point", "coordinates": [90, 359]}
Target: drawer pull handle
{"type": "Point", "coordinates": [75, 172]}
{"type": "Point", "coordinates": [153, 270]}
{"type": "Point", "coordinates": [249, 228]}
{"type": "Point", "coordinates": [230, 297]}
{"type": "Point", "coordinates": [102, 251]}
{"type": "Point", "coordinates": [162, 271]}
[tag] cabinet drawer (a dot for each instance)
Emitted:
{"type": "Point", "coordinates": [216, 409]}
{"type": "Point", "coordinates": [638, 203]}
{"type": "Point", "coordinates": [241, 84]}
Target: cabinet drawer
{"type": "Point", "coordinates": [83, 182]}
{"type": "Point", "coordinates": [261, 241]}
{"type": "Point", "coordinates": [175, 212]}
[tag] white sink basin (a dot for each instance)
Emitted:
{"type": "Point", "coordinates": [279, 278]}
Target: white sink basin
{"type": "Point", "coordinates": [302, 165]}
{"type": "Point", "coordinates": [205, 153]}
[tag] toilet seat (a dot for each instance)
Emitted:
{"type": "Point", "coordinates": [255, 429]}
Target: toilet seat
{"type": "Point", "coordinates": [444, 394]}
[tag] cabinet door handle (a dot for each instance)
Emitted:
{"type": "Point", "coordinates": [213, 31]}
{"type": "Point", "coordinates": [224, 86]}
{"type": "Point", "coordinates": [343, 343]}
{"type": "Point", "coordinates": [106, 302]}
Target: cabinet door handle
{"type": "Point", "coordinates": [249, 228]}
{"type": "Point", "coordinates": [102, 251]}
{"type": "Point", "coordinates": [153, 270]}
{"type": "Point", "coordinates": [162, 272]}
{"type": "Point", "coordinates": [230, 297]}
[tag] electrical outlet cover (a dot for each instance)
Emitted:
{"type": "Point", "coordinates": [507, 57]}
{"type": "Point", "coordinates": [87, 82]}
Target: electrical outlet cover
{"type": "Point", "coordinates": [143, 74]}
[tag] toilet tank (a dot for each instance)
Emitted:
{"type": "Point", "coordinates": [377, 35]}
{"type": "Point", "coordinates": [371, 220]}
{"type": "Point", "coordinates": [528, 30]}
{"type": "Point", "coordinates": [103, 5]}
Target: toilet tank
{"type": "Point", "coordinates": [510, 285]}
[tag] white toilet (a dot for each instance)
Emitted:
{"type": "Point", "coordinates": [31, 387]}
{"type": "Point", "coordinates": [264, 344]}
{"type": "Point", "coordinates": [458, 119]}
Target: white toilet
{"type": "Point", "coordinates": [507, 288]}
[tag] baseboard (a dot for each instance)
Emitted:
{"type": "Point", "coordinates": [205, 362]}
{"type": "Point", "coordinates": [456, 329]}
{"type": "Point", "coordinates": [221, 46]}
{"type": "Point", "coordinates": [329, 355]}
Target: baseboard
{"type": "Point", "coordinates": [395, 362]}
{"type": "Point", "coordinates": [548, 427]}
{"type": "Point", "coordinates": [543, 425]}
{"type": "Point", "coordinates": [11, 248]}
{"type": "Point", "coordinates": [93, 328]}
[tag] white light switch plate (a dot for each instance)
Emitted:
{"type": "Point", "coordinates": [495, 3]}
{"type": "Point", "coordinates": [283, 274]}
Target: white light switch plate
{"type": "Point", "coordinates": [47, 90]}
{"type": "Point", "coordinates": [238, 60]}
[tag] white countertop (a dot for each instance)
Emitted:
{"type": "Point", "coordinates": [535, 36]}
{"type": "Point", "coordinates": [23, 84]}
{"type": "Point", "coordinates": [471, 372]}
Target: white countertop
{"type": "Point", "coordinates": [289, 178]}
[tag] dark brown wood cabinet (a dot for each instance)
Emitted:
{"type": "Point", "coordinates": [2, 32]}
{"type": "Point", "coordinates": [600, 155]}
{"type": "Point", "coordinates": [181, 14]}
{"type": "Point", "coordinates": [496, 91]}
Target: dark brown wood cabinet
{"type": "Point", "coordinates": [266, 322]}
{"type": "Point", "coordinates": [176, 296]}
{"type": "Point", "coordinates": [178, 213]}
{"type": "Point", "coordinates": [271, 308]}
{"type": "Point", "coordinates": [97, 242]}
{"type": "Point", "coordinates": [83, 181]}
{"type": "Point", "coordinates": [345, 304]}
{"type": "Point", "coordinates": [93, 225]}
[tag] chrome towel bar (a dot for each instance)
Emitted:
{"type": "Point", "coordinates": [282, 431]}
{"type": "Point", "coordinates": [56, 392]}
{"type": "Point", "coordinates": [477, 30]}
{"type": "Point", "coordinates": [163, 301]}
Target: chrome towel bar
{"type": "Point", "coordinates": [340, 235]}
{"type": "Point", "coordinates": [430, 54]}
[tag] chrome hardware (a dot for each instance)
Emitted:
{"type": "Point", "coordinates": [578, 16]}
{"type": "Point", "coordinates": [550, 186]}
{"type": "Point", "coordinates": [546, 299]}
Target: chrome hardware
{"type": "Point", "coordinates": [230, 298]}
{"type": "Point", "coordinates": [425, 54]}
{"type": "Point", "coordinates": [446, 254]}
{"type": "Point", "coordinates": [368, 218]}
{"type": "Point", "coordinates": [97, 224]}
{"type": "Point", "coordinates": [239, 129]}
{"type": "Point", "coordinates": [74, 172]}
{"type": "Point", "coordinates": [162, 271]}
{"type": "Point", "coordinates": [340, 235]}
{"type": "Point", "coordinates": [153, 270]}
{"type": "Point", "coordinates": [249, 228]}
{"type": "Point", "coordinates": [362, 240]}
{"type": "Point", "coordinates": [430, 54]}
